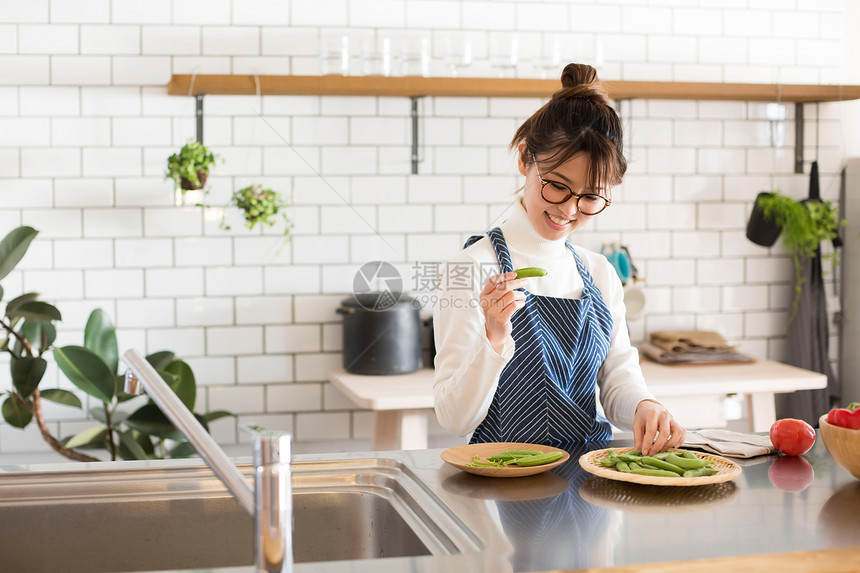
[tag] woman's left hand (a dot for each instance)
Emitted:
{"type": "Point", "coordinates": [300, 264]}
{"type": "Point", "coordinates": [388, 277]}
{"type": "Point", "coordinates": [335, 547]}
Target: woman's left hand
{"type": "Point", "coordinates": [654, 428]}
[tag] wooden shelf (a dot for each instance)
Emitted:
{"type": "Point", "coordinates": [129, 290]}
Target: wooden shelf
{"type": "Point", "coordinates": [181, 85]}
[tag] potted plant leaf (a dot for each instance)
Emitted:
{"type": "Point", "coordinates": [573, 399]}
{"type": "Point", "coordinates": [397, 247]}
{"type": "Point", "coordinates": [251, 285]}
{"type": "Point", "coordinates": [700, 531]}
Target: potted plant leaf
{"type": "Point", "coordinates": [28, 332]}
{"type": "Point", "coordinates": [260, 205]}
{"type": "Point", "coordinates": [803, 225]}
{"type": "Point", "coordinates": [189, 168]}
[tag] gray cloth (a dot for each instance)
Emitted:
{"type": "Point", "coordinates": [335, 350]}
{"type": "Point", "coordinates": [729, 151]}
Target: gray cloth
{"type": "Point", "coordinates": [807, 347]}
{"type": "Point", "coordinates": [807, 338]}
{"type": "Point", "coordinates": [730, 444]}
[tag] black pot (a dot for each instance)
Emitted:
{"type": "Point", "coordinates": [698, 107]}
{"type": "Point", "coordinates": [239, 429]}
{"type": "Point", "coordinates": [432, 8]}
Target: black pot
{"type": "Point", "coordinates": [432, 334]}
{"type": "Point", "coordinates": [759, 230]}
{"type": "Point", "coordinates": [381, 334]}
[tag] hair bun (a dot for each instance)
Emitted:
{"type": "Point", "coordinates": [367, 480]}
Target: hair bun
{"type": "Point", "coordinates": [580, 81]}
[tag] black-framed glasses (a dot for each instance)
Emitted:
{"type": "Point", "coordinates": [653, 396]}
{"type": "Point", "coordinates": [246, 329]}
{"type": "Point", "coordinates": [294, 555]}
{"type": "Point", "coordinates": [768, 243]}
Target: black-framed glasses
{"type": "Point", "coordinates": [558, 193]}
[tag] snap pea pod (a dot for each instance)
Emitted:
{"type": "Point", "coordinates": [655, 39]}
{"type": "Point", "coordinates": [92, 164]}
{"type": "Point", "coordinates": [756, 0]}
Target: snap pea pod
{"type": "Point", "coordinates": [660, 464]}
{"type": "Point", "coordinates": [527, 272]}
{"type": "Point", "coordinates": [655, 473]}
{"type": "Point", "coordinates": [476, 463]}
{"type": "Point", "coordinates": [705, 471]}
{"type": "Point", "coordinates": [512, 454]}
{"type": "Point", "coordinates": [685, 463]}
{"type": "Point", "coordinates": [540, 459]}
{"type": "Point", "coordinates": [676, 462]}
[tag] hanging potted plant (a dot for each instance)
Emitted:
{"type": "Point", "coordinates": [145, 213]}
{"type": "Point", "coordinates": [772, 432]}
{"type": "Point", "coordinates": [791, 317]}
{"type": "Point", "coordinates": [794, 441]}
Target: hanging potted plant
{"type": "Point", "coordinates": [189, 168]}
{"type": "Point", "coordinates": [262, 206]}
{"type": "Point", "coordinates": [803, 226]}
{"type": "Point", "coordinates": [760, 230]}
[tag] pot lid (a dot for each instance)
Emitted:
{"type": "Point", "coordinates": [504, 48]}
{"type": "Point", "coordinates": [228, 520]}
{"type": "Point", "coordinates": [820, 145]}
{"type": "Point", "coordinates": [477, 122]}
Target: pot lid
{"type": "Point", "coordinates": [384, 300]}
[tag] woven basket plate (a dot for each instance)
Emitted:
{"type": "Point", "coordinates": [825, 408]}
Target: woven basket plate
{"type": "Point", "coordinates": [460, 456]}
{"type": "Point", "coordinates": [728, 470]}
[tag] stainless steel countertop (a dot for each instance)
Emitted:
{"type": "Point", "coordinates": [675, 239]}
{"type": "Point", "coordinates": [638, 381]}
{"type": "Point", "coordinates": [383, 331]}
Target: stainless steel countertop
{"type": "Point", "coordinates": [568, 519]}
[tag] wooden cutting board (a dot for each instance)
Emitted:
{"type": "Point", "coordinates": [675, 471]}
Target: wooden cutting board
{"type": "Point", "coordinates": [844, 560]}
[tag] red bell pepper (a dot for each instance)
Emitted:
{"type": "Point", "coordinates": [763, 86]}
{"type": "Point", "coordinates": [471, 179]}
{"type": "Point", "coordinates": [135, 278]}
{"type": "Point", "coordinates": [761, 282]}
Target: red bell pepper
{"type": "Point", "coordinates": [845, 417]}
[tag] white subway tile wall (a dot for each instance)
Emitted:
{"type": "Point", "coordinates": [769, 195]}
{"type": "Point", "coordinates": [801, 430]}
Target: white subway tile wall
{"type": "Point", "coordinates": [86, 127]}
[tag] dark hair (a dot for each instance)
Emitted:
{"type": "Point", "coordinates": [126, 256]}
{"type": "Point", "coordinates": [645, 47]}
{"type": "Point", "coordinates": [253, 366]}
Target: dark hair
{"type": "Point", "coordinates": [577, 119]}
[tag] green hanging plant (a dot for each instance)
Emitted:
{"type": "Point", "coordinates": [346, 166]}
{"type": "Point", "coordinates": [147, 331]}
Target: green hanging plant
{"type": "Point", "coordinates": [190, 167]}
{"type": "Point", "coordinates": [262, 206]}
{"type": "Point", "coordinates": [804, 225]}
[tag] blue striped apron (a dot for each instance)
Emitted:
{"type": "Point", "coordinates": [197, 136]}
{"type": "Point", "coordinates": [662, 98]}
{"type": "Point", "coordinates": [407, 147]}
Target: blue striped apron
{"type": "Point", "coordinates": [546, 392]}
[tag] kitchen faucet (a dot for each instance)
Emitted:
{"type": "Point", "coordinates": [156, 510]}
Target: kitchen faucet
{"type": "Point", "coordinates": [270, 500]}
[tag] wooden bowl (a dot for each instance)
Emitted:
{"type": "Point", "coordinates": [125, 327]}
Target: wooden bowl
{"type": "Point", "coordinates": [843, 445]}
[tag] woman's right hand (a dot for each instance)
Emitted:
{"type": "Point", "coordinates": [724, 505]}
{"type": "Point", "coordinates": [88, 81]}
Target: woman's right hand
{"type": "Point", "coordinates": [499, 300]}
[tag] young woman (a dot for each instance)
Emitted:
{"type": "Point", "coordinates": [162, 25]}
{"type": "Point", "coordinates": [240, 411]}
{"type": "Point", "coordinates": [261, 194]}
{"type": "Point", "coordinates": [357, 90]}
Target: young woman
{"type": "Point", "coordinates": [521, 359]}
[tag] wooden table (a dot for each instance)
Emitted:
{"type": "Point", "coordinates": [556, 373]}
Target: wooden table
{"type": "Point", "coordinates": [759, 381]}
{"type": "Point", "coordinates": [694, 394]}
{"type": "Point", "coordinates": [400, 403]}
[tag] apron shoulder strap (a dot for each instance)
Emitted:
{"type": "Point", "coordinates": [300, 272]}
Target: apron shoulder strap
{"type": "Point", "coordinates": [472, 240]}
{"type": "Point", "coordinates": [498, 240]}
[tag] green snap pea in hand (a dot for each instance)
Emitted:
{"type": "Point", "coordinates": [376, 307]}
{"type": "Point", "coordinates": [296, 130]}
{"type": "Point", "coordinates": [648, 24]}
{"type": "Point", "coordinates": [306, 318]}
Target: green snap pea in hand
{"type": "Point", "coordinates": [527, 272]}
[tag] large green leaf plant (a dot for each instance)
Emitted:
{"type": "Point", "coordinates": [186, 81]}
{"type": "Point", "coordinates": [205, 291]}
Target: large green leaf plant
{"type": "Point", "coordinates": [27, 333]}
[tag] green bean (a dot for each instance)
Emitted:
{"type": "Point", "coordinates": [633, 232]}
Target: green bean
{"type": "Point", "coordinates": [540, 459]}
{"type": "Point", "coordinates": [701, 472]}
{"type": "Point", "coordinates": [668, 463]}
{"type": "Point", "coordinates": [475, 463]}
{"type": "Point", "coordinates": [685, 463]}
{"type": "Point", "coordinates": [527, 272]}
{"type": "Point", "coordinates": [655, 473]}
{"type": "Point", "coordinates": [512, 454]}
{"type": "Point", "coordinates": [660, 464]}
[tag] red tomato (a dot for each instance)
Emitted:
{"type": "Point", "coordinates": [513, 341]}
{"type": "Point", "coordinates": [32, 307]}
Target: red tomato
{"type": "Point", "coordinates": [791, 436]}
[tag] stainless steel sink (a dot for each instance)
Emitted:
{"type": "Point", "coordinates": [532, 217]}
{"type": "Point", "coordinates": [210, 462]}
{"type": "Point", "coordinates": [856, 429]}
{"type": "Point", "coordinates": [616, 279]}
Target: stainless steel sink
{"type": "Point", "coordinates": [181, 518]}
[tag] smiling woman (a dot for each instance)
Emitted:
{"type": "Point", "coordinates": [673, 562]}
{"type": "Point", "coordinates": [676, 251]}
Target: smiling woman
{"type": "Point", "coordinates": [525, 364]}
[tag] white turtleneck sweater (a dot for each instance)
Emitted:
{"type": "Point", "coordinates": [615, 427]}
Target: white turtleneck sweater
{"type": "Point", "coordinates": [467, 366]}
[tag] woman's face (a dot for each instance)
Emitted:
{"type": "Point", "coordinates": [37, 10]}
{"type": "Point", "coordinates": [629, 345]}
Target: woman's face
{"type": "Point", "coordinates": [552, 221]}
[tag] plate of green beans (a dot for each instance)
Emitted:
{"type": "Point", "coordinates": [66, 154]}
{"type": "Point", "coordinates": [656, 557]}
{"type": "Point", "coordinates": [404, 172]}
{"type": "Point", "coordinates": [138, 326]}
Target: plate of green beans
{"type": "Point", "coordinates": [676, 467]}
{"type": "Point", "coordinates": [505, 459]}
